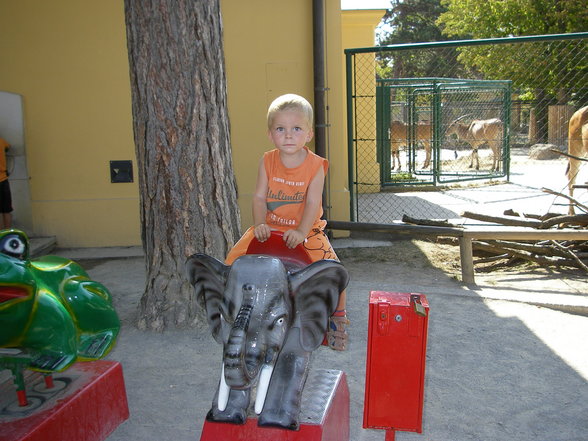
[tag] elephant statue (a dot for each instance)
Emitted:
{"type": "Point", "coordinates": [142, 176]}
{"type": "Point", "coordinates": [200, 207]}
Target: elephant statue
{"type": "Point", "coordinates": [269, 320]}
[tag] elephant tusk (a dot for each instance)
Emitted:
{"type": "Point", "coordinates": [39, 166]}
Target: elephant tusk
{"type": "Point", "coordinates": [223, 391]}
{"type": "Point", "coordinates": [262, 386]}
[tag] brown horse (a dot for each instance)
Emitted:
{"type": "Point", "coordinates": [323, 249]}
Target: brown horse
{"type": "Point", "coordinates": [577, 146]}
{"type": "Point", "coordinates": [399, 135]}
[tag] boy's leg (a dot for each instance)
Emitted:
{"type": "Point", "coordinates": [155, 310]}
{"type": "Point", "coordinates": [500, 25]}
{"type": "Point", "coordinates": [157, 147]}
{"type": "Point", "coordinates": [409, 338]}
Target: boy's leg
{"type": "Point", "coordinates": [6, 220]}
{"type": "Point", "coordinates": [319, 247]}
{"type": "Point", "coordinates": [6, 204]}
{"type": "Point", "coordinates": [337, 337]}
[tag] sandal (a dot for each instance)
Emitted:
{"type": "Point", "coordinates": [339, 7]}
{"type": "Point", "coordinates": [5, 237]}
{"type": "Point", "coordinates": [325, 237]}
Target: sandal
{"type": "Point", "coordinates": [337, 337]}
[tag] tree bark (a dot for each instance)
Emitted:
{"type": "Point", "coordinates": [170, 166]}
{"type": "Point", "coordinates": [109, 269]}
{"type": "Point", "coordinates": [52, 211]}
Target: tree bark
{"type": "Point", "coordinates": [186, 181]}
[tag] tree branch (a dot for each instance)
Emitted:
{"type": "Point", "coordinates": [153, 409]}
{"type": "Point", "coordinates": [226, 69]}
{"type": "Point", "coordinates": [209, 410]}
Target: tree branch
{"type": "Point", "coordinates": [565, 196]}
{"type": "Point", "coordinates": [579, 158]}
{"type": "Point", "coordinates": [570, 254]}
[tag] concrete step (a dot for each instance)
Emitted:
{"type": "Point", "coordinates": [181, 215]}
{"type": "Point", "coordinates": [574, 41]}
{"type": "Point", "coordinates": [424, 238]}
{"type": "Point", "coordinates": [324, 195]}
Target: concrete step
{"type": "Point", "coordinates": [40, 246]}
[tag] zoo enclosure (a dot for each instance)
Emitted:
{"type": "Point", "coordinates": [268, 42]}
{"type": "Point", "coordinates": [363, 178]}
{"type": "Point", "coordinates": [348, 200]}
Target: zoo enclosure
{"type": "Point", "coordinates": [532, 85]}
{"type": "Point", "coordinates": [417, 114]}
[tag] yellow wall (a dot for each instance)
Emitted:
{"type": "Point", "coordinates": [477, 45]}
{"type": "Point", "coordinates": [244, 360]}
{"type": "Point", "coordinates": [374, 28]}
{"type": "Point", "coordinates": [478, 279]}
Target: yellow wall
{"type": "Point", "coordinates": [268, 52]}
{"type": "Point", "coordinates": [359, 31]}
{"type": "Point", "coordinates": [262, 63]}
{"type": "Point", "coordinates": [68, 60]}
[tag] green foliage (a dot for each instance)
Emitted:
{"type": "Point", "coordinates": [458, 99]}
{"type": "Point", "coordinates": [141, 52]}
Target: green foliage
{"type": "Point", "coordinates": [503, 18]}
{"type": "Point", "coordinates": [553, 67]}
{"type": "Point", "coordinates": [413, 21]}
{"type": "Point", "coordinates": [402, 176]}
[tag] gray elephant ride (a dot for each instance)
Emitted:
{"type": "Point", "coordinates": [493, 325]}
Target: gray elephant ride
{"type": "Point", "coordinates": [269, 310]}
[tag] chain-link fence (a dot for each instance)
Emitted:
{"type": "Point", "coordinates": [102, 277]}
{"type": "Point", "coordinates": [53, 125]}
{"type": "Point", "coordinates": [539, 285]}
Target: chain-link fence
{"type": "Point", "coordinates": [430, 114]}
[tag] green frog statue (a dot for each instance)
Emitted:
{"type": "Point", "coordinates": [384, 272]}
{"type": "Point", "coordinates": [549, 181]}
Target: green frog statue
{"type": "Point", "coordinates": [51, 313]}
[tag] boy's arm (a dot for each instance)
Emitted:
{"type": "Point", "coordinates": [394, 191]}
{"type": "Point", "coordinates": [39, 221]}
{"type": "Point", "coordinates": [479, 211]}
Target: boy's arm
{"type": "Point", "coordinates": [314, 200]}
{"type": "Point", "coordinates": [261, 229]}
{"type": "Point", "coordinates": [4, 144]}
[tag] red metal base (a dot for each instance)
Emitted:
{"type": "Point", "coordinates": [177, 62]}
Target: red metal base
{"type": "Point", "coordinates": [396, 358]}
{"type": "Point", "coordinates": [88, 403]}
{"type": "Point", "coordinates": [333, 427]}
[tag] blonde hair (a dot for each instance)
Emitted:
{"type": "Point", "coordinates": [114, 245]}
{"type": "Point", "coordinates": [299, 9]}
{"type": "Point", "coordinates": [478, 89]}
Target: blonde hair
{"type": "Point", "coordinates": [290, 101]}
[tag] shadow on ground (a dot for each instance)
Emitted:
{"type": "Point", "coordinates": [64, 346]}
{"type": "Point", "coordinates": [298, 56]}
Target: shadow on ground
{"type": "Point", "coordinates": [496, 369]}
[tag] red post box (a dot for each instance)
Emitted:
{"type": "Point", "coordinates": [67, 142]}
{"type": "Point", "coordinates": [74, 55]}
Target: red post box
{"type": "Point", "coordinates": [396, 352]}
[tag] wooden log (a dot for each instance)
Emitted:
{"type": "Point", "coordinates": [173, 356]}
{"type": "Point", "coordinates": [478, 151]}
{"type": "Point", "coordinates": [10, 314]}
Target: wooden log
{"type": "Point", "coordinates": [575, 219]}
{"type": "Point", "coordinates": [430, 222]}
{"type": "Point", "coordinates": [542, 217]}
{"type": "Point", "coordinates": [401, 228]}
{"type": "Point", "coordinates": [557, 124]}
{"type": "Point", "coordinates": [501, 220]}
{"type": "Point", "coordinates": [533, 128]}
{"type": "Point", "coordinates": [531, 248]}
{"type": "Point", "coordinates": [541, 260]}
{"type": "Point", "coordinates": [497, 265]}
{"type": "Point", "coordinates": [492, 258]}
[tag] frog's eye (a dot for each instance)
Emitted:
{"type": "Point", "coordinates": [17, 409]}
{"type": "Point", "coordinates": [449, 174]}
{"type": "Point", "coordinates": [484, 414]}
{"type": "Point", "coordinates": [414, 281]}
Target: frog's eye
{"type": "Point", "coordinates": [13, 245]}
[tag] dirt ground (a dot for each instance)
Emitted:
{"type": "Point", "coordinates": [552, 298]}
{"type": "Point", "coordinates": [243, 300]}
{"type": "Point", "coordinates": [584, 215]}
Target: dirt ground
{"type": "Point", "coordinates": [485, 345]}
{"type": "Point", "coordinates": [442, 256]}
{"type": "Point", "coordinates": [422, 253]}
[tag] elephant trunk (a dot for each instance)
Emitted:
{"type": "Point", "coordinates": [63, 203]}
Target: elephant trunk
{"type": "Point", "coordinates": [241, 364]}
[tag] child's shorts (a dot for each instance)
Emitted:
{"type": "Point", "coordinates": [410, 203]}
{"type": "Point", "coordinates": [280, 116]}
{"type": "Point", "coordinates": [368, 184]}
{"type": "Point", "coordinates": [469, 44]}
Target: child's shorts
{"type": "Point", "coordinates": [5, 197]}
{"type": "Point", "coordinates": [317, 244]}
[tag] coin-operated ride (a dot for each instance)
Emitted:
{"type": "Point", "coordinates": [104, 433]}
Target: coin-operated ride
{"type": "Point", "coordinates": [51, 313]}
{"type": "Point", "coordinates": [269, 310]}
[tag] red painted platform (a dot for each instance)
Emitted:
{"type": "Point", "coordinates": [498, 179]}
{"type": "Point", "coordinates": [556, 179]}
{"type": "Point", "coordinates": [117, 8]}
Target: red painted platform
{"type": "Point", "coordinates": [324, 415]}
{"type": "Point", "coordinates": [86, 403]}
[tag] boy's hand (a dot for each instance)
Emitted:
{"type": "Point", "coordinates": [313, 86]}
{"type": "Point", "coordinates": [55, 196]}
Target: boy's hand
{"type": "Point", "coordinates": [293, 238]}
{"type": "Point", "coordinates": [262, 232]}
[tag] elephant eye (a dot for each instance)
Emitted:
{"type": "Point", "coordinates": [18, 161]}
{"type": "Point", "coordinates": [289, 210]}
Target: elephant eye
{"type": "Point", "coordinates": [280, 321]}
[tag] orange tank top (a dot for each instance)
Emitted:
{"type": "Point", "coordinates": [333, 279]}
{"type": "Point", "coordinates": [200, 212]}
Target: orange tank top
{"type": "Point", "coordinates": [287, 188]}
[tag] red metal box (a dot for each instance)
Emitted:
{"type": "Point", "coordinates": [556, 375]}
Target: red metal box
{"type": "Point", "coordinates": [396, 352]}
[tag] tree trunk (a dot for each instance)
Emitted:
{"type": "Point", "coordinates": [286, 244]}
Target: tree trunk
{"type": "Point", "coordinates": [186, 180]}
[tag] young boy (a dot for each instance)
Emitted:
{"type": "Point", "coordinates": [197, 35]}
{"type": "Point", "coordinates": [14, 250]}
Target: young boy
{"type": "Point", "coordinates": [5, 194]}
{"type": "Point", "coordinates": [288, 195]}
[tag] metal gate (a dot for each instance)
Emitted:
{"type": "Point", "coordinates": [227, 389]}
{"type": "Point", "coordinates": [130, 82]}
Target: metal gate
{"type": "Point", "coordinates": [408, 133]}
{"type": "Point", "coordinates": [414, 118]}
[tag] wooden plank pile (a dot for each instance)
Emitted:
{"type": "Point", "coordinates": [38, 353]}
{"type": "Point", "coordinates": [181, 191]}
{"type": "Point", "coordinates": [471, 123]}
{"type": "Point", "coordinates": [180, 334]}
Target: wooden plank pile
{"type": "Point", "coordinates": [493, 253]}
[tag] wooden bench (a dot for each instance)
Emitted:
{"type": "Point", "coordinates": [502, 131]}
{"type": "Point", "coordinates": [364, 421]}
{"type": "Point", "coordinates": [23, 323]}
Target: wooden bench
{"type": "Point", "coordinates": [506, 233]}
{"type": "Point", "coordinates": [465, 236]}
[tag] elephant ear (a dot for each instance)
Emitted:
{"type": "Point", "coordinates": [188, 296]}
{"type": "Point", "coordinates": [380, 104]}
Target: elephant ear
{"type": "Point", "coordinates": [316, 291]}
{"type": "Point", "coordinates": [208, 276]}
